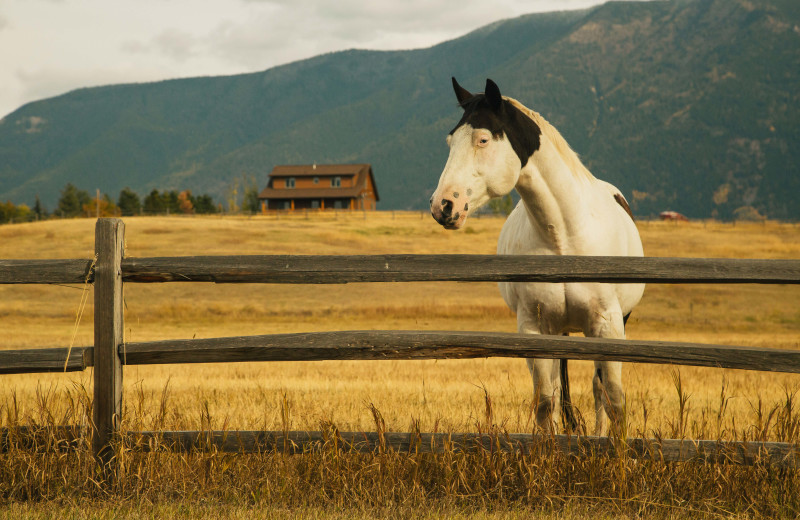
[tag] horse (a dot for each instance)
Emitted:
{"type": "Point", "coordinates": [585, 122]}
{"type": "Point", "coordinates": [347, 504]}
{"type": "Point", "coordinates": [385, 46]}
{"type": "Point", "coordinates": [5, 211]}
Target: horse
{"type": "Point", "coordinates": [500, 145]}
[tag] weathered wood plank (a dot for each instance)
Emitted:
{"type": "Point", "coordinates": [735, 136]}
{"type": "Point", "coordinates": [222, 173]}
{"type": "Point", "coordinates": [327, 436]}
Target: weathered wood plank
{"type": "Point", "coordinates": [32, 361]}
{"type": "Point", "coordinates": [378, 345]}
{"type": "Point", "coordinates": [108, 327]}
{"type": "Point", "coordinates": [65, 271]}
{"type": "Point", "coordinates": [385, 345]}
{"type": "Point", "coordinates": [64, 438]}
{"type": "Point", "coordinates": [298, 442]}
{"type": "Point", "coordinates": [382, 344]}
{"type": "Point", "coordinates": [398, 268]}
{"type": "Point", "coordinates": [332, 269]}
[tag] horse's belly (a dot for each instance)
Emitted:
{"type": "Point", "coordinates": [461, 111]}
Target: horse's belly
{"type": "Point", "coordinates": [569, 307]}
{"type": "Point", "coordinates": [559, 307]}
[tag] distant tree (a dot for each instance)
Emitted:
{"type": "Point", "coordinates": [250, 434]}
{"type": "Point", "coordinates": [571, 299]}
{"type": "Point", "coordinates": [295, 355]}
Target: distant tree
{"type": "Point", "coordinates": [23, 213]}
{"type": "Point", "coordinates": [7, 211]}
{"type": "Point", "coordinates": [172, 204]}
{"type": "Point", "coordinates": [185, 201]}
{"type": "Point", "coordinates": [71, 202]}
{"type": "Point", "coordinates": [502, 205]}
{"type": "Point", "coordinates": [39, 211]}
{"type": "Point", "coordinates": [11, 213]}
{"type": "Point", "coordinates": [154, 204]}
{"type": "Point", "coordinates": [102, 208]}
{"type": "Point", "coordinates": [129, 203]}
{"type": "Point", "coordinates": [251, 204]}
{"type": "Point", "coordinates": [204, 204]}
{"type": "Point", "coordinates": [748, 213]}
{"type": "Point", "coordinates": [232, 196]}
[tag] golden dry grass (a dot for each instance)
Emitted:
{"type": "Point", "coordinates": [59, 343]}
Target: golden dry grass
{"type": "Point", "coordinates": [451, 392]}
{"type": "Point", "coordinates": [444, 395]}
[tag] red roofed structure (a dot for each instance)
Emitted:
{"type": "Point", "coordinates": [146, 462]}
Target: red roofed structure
{"type": "Point", "coordinates": [320, 186]}
{"type": "Point", "coordinates": [672, 215]}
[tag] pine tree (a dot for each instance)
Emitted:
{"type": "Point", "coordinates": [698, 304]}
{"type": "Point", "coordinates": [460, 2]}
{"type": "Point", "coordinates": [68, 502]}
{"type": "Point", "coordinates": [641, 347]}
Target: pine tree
{"type": "Point", "coordinates": [129, 203]}
{"type": "Point", "coordinates": [71, 202]}
{"type": "Point", "coordinates": [154, 203]}
{"type": "Point", "coordinates": [39, 211]}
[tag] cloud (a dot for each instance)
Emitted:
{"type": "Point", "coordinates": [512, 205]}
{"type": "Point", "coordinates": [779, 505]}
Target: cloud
{"type": "Point", "coordinates": [279, 31]}
{"type": "Point", "coordinates": [48, 82]}
{"type": "Point", "coordinates": [175, 44]}
{"type": "Point", "coordinates": [60, 45]}
{"type": "Point", "coordinates": [258, 34]}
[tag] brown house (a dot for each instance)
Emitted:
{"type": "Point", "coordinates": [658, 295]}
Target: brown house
{"type": "Point", "coordinates": [320, 186]}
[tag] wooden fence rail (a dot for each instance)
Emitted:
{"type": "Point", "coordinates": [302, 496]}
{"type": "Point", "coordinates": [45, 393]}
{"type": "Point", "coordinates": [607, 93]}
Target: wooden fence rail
{"type": "Point", "coordinates": [109, 270]}
{"type": "Point", "coordinates": [395, 344]}
{"type": "Point", "coordinates": [299, 442]}
{"type": "Point", "coordinates": [338, 269]}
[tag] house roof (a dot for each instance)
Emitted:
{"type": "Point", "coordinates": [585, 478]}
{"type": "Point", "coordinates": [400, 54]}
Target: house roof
{"type": "Point", "coordinates": [361, 171]}
{"type": "Point", "coordinates": [309, 170]}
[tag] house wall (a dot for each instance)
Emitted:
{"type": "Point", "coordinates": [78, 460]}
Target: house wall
{"type": "Point", "coordinates": [308, 182]}
{"type": "Point", "coordinates": [344, 204]}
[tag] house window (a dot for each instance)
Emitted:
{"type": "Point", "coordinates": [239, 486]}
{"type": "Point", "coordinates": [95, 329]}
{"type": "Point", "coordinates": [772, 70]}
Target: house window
{"type": "Point", "coordinates": [316, 180]}
{"type": "Point", "coordinates": [314, 204]}
{"type": "Point", "coordinates": [336, 182]}
{"type": "Point", "coordinates": [290, 182]}
{"type": "Point", "coordinates": [337, 204]}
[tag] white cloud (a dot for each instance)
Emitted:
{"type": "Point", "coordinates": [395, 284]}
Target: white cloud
{"type": "Point", "coordinates": [175, 44]}
{"type": "Point", "coordinates": [59, 45]}
{"type": "Point", "coordinates": [52, 81]}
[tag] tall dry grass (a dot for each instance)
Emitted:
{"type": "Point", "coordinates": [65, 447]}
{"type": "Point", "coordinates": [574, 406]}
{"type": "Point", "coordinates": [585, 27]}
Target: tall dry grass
{"type": "Point", "coordinates": [444, 396]}
{"type": "Point", "coordinates": [326, 481]}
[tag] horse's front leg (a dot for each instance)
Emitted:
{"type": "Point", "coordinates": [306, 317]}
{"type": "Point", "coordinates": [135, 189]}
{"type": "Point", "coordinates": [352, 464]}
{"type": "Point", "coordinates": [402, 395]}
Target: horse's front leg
{"type": "Point", "coordinates": [546, 392]}
{"type": "Point", "coordinates": [609, 396]}
{"type": "Point", "coordinates": [546, 383]}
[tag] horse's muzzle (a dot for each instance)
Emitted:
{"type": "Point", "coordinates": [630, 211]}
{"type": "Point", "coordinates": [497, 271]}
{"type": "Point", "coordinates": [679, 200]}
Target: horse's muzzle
{"type": "Point", "coordinates": [443, 214]}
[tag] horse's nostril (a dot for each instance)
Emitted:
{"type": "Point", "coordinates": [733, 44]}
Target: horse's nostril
{"type": "Point", "coordinates": [447, 207]}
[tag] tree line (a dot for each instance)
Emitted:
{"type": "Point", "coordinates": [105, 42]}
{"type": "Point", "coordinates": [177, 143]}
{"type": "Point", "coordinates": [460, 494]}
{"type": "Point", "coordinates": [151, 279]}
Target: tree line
{"type": "Point", "coordinates": [74, 202]}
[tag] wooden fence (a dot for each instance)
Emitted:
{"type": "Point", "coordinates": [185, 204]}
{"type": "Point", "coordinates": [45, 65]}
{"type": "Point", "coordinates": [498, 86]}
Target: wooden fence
{"type": "Point", "coordinates": [109, 270]}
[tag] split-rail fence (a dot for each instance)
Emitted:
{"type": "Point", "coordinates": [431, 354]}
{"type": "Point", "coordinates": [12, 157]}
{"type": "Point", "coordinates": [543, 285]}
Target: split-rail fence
{"type": "Point", "coordinates": [109, 270]}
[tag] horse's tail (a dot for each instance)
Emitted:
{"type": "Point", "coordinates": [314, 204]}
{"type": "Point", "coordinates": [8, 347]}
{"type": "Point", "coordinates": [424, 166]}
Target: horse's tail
{"type": "Point", "coordinates": [568, 414]}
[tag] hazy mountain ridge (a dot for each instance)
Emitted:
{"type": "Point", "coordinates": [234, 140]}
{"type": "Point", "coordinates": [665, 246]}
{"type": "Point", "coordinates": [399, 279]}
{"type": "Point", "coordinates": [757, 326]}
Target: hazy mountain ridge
{"type": "Point", "coordinates": [686, 105]}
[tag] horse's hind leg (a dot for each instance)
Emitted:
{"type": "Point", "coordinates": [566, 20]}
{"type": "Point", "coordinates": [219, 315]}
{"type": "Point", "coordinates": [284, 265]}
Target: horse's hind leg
{"type": "Point", "coordinates": [609, 397]}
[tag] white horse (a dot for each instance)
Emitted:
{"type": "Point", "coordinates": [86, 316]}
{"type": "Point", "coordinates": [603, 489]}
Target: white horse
{"type": "Point", "coordinates": [500, 145]}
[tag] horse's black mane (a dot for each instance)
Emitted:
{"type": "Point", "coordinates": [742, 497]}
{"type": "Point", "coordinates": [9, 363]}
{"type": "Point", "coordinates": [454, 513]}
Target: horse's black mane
{"type": "Point", "coordinates": [472, 102]}
{"type": "Point", "coordinates": [479, 114]}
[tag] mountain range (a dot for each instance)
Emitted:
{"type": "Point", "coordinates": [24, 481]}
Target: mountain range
{"type": "Point", "coordinates": [686, 105]}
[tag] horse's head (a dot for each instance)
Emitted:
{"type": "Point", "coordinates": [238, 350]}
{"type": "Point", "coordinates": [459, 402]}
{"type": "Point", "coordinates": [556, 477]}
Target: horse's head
{"type": "Point", "coordinates": [488, 149]}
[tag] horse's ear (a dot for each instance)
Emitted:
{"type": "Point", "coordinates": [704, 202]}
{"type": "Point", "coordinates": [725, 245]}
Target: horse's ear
{"type": "Point", "coordinates": [493, 95]}
{"type": "Point", "coordinates": [462, 94]}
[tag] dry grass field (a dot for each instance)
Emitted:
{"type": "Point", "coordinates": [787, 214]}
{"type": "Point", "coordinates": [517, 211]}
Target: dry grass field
{"type": "Point", "coordinates": [444, 396]}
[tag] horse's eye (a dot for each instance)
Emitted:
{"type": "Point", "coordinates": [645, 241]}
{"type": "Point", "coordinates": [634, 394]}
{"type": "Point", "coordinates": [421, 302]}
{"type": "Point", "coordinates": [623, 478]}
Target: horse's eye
{"type": "Point", "coordinates": [484, 140]}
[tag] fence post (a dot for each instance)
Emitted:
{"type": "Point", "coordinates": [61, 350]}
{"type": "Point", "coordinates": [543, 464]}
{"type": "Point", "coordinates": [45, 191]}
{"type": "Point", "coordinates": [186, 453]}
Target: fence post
{"type": "Point", "coordinates": [108, 329]}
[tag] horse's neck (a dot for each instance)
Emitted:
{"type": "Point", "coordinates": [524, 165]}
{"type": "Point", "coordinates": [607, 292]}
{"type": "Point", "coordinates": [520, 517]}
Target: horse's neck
{"type": "Point", "coordinates": [555, 199]}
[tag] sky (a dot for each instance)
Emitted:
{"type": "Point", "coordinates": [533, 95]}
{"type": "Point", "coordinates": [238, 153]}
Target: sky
{"type": "Point", "coordinates": [49, 47]}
